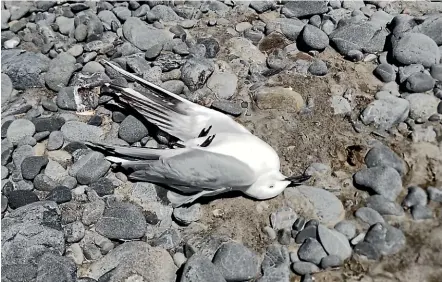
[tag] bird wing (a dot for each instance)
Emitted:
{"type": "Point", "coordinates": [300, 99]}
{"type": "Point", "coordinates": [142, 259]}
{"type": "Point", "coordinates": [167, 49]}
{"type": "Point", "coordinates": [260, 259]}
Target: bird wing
{"type": "Point", "coordinates": [193, 168]}
{"type": "Point", "coordinates": [173, 114]}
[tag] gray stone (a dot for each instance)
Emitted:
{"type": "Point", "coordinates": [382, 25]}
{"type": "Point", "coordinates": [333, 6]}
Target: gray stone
{"type": "Point", "coordinates": [369, 215]}
{"type": "Point", "coordinates": [108, 19]}
{"type": "Point", "coordinates": [318, 67]}
{"type": "Point", "coordinates": [60, 71]}
{"type": "Point", "coordinates": [91, 252]}
{"type": "Point", "coordinates": [7, 149]}
{"type": "Point", "coordinates": [20, 129]}
{"type": "Point", "coordinates": [55, 141]}
{"type": "Point", "coordinates": [283, 218]}
{"type": "Point", "coordinates": [387, 239]}
{"type": "Point", "coordinates": [66, 98]}
{"type": "Point", "coordinates": [44, 183]}
{"type": "Point", "coordinates": [416, 196]}
{"type": "Point", "coordinates": [169, 240]}
{"type": "Point", "coordinates": [49, 106]}
{"type": "Point", "coordinates": [142, 35]}
{"type": "Point", "coordinates": [92, 212]}
{"type": "Point", "coordinates": [65, 25]}
{"type": "Point", "coordinates": [307, 232]}
{"type": "Point", "coordinates": [204, 245]}
{"type": "Point", "coordinates": [367, 250]}
{"type": "Point", "coordinates": [164, 13]}
{"type": "Point", "coordinates": [303, 268]}
{"type": "Point", "coordinates": [236, 262]}
{"type": "Point", "coordinates": [406, 71]}
{"type": "Point", "coordinates": [122, 221]}
{"type": "Point", "coordinates": [150, 263]}
{"type": "Point", "coordinates": [5, 16]}
{"type": "Point", "coordinates": [334, 242]}
{"type": "Point", "coordinates": [55, 171]}
{"type": "Point", "coordinates": [347, 228]}
{"type": "Point", "coordinates": [415, 48]}
{"type": "Point", "coordinates": [92, 67]}
{"type": "Point", "coordinates": [383, 180]}
{"type": "Point", "coordinates": [284, 236]}
{"type": "Point", "coordinates": [54, 267]}
{"type": "Point", "coordinates": [78, 131]}
{"type": "Point", "coordinates": [122, 13]}
{"type": "Point", "coordinates": [174, 86]}
{"type": "Point", "coordinates": [28, 232]}
{"type": "Point", "coordinates": [69, 182]}
{"type": "Point", "coordinates": [59, 194]}
{"type": "Point", "coordinates": [20, 198]}
{"type": "Point", "coordinates": [301, 9]}
{"type": "Point", "coordinates": [80, 32]}
{"type": "Point", "coordinates": [195, 72]}
{"type": "Point", "coordinates": [132, 130]}
{"type": "Point", "coordinates": [419, 82]}
{"type": "Point", "coordinates": [200, 269]}
{"type": "Point", "coordinates": [187, 215]}
{"type": "Point", "coordinates": [227, 107]}
{"type": "Point", "coordinates": [436, 72]}
{"type": "Point", "coordinates": [275, 265]}
{"type": "Point", "coordinates": [21, 153]}
{"type": "Point", "coordinates": [361, 36]}
{"type": "Point", "coordinates": [103, 187]}
{"type": "Point", "coordinates": [24, 69]}
{"type": "Point", "coordinates": [31, 166]}
{"type": "Point", "coordinates": [422, 105]}
{"type": "Point", "coordinates": [331, 261]}
{"type": "Point", "coordinates": [6, 88]}
{"type": "Point", "coordinates": [314, 37]}
{"type": "Point", "coordinates": [382, 155]}
{"type": "Point", "coordinates": [277, 59]}
{"type": "Point", "coordinates": [89, 168]}
{"type": "Point", "coordinates": [153, 51]}
{"type": "Point", "coordinates": [386, 112]}
{"type": "Point", "coordinates": [431, 27]}
{"type": "Point", "coordinates": [311, 250]}
{"type": "Point", "coordinates": [434, 194]}
{"type": "Point", "coordinates": [385, 72]}
{"type": "Point", "coordinates": [420, 212]}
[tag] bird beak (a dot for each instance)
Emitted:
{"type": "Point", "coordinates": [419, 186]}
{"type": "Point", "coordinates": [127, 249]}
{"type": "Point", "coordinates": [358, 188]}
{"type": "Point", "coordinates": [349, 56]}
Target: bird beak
{"type": "Point", "coordinates": [297, 179]}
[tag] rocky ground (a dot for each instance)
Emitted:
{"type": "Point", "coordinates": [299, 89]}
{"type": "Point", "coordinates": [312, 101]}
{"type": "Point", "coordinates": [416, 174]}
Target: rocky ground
{"type": "Point", "coordinates": [346, 91]}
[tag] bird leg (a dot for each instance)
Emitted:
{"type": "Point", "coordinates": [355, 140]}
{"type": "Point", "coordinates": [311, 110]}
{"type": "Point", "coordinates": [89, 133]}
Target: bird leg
{"type": "Point", "coordinates": [207, 141]}
{"type": "Point", "coordinates": [204, 132]}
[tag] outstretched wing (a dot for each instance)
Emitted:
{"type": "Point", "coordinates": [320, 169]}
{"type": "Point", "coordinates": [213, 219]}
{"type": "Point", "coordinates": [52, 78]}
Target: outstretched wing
{"type": "Point", "coordinates": [173, 114]}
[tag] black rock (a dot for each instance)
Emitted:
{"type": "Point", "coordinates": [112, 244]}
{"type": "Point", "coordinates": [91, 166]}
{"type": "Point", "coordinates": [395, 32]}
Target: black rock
{"type": "Point", "coordinates": [103, 187]}
{"type": "Point", "coordinates": [118, 117]}
{"type": "Point", "coordinates": [60, 194]}
{"type": "Point", "coordinates": [31, 166]}
{"type": "Point", "coordinates": [95, 120]}
{"type": "Point", "coordinates": [284, 236]}
{"type": "Point", "coordinates": [211, 44]}
{"type": "Point", "coordinates": [313, 222]}
{"type": "Point", "coordinates": [227, 107]}
{"type": "Point", "coordinates": [299, 224]}
{"type": "Point", "coordinates": [48, 124]}
{"type": "Point", "coordinates": [5, 127]}
{"type": "Point", "coordinates": [308, 232]}
{"type": "Point", "coordinates": [21, 198]}
{"type": "Point", "coordinates": [74, 146]}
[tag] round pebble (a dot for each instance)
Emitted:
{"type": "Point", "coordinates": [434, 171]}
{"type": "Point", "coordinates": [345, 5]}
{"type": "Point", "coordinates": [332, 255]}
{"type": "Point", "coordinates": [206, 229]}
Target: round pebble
{"type": "Point", "coordinates": [20, 129]}
{"type": "Point", "coordinates": [318, 68]}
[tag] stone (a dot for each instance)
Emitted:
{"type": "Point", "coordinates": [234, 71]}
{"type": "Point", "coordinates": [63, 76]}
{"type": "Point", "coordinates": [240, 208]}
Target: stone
{"type": "Point", "coordinates": [103, 187]}
{"type": "Point", "coordinates": [92, 67]}
{"type": "Point", "coordinates": [79, 131]}
{"type": "Point", "coordinates": [49, 106]}
{"type": "Point", "coordinates": [369, 215]}
{"type": "Point", "coordinates": [361, 36]}
{"type": "Point", "coordinates": [277, 59]}
{"type": "Point", "coordinates": [187, 215]}
{"type": "Point", "coordinates": [419, 82]}
{"type": "Point", "coordinates": [122, 221]}
{"type": "Point", "coordinates": [153, 51]}
{"type": "Point", "coordinates": [244, 49]}
{"type": "Point", "coordinates": [236, 262]}
{"type": "Point", "coordinates": [195, 73]}
{"type": "Point", "coordinates": [132, 130]}
{"type": "Point", "coordinates": [416, 48]}
{"type": "Point", "coordinates": [436, 72]}
{"type": "Point", "coordinates": [74, 232]}
{"type": "Point", "coordinates": [204, 245]}
{"type": "Point", "coordinates": [65, 25]}
{"type": "Point", "coordinates": [382, 155]}
{"type": "Point", "coordinates": [385, 72]}
{"type": "Point", "coordinates": [284, 236]}
{"type": "Point", "coordinates": [315, 202]}
{"type": "Point", "coordinates": [430, 27]}
{"type": "Point", "coordinates": [275, 264]}
{"type": "Point", "coordinates": [330, 262]}
{"type": "Point", "coordinates": [55, 141]}
{"type": "Point", "coordinates": [31, 166]}
{"type": "Point", "coordinates": [406, 71]}
{"type": "Point", "coordinates": [91, 252]}
{"type": "Point", "coordinates": [89, 168]}
{"type": "Point", "coordinates": [434, 194]}
{"type": "Point", "coordinates": [314, 37]}
{"type": "Point", "coordinates": [416, 196]}
{"type": "Point", "coordinates": [383, 180]}
{"type": "Point", "coordinates": [420, 212]}
{"type": "Point", "coordinates": [290, 28]}
{"type": "Point", "coordinates": [7, 151]}
{"type": "Point", "coordinates": [54, 267]}
{"type": "Point", "coordinates": [20, 154]}
{"type": "Point", "coordinates": [92, 212]}
{"type": "Point", "coordinates": [20, 129]}
{"type": "Point", "coordinates": [200, 269]}
{"type": "Point", "coordinates": [386, 112]}
{"type": "Point", "coordinates": [303, 268]}
{"type": "Point", "coordinates": [44, 183]}
{"type": "Point", "coordinates": [150, 263]}
{"type": "Point", "coordinates": [169, 240]}
{"type": "Point", "coordinates": [60, 195]}
{"type": "Point", "coordinates": [19, 198]}
{"type": "Point", "coordinates": [387, 239]}
{"type": "Point", "coordinates": [340, 105]}
{"type": "Point", "coordinates": [48, 124]}
{"type": "Point", "coordinates": [367, 250]}
{"type": "Point", "coordinates": [311, 250]}
{"type": "Point", "coordinates": [283, 218]}
{"type": "Point", "coordinates": [301, 9]}
{"type": "Point", "coordinates": [24, 68]}
{"type": "Point", "coordinates": [318, 67]}
{"type": "Point", "coordinates": [60, 71]}
{"type": "Point", "coordinates": [307, 232]}
{"type": "Point", "coordinates": [6, 88]}
{"type": "Point", "coordinates": [422, 105]}
{"type": "Point", "coordinates": [299, 223]}
{"type": "Point", "coordinates": [142, 35]}
{"type": "Point", "coordinates": [334, 242]}
{"type": "Point", "coordinates": [347, 228]}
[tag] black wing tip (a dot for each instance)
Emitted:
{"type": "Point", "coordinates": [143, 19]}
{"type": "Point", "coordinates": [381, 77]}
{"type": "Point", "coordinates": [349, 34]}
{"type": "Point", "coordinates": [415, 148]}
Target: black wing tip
{"type": "Point", "coordinates": [298, 179]}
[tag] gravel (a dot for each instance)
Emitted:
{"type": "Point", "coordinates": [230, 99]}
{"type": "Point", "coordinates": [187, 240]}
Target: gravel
{"type": "Point", "coordinates": [236, 262]}
{"type": "Point", "coordinates": [383, 180]}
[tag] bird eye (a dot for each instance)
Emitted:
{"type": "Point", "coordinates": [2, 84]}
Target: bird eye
{"type": "Point", "coordinates": [271, 186]}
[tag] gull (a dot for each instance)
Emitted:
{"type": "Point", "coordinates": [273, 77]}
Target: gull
{"type": "Point", "coordinates": [213, 155]}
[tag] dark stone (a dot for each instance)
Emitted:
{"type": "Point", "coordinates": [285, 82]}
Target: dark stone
{"type": "Point", "coordinates": [299, 224]}
{"type": "Point", "coordinates": [48, 124]}
{"type": "Point", "coordinates": [74, 146]}
{"type": "Point", "coordinates": [21, 198]}
{"type": "Point", "coordinates": [60, 194]}
{"type": "Point", "coordinates": [211, 44]}
{"type": "Point", "coordinates": [31, 166]}
{"type": "Point", "coordinates": [95, 120]}
{"type": "Point", "coordinates": [5, 127]}
{"type": "Point", "coordinates": [103, 187]}
{"type": "Point", "coordinates": [367, 250]}
{"type": "Point", "coordinates": [308, 232]}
